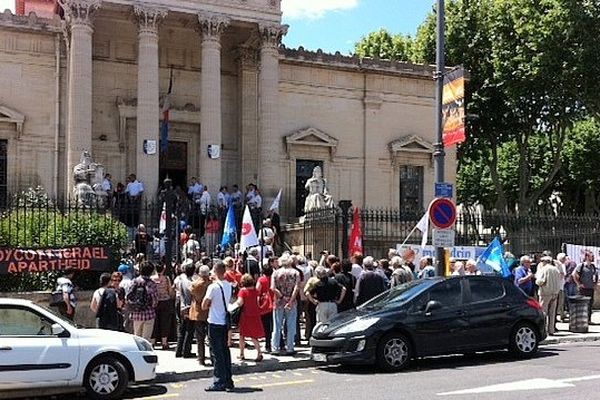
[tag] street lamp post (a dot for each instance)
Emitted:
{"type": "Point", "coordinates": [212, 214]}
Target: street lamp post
{"type": "Point", "coordinates": [439, 154]}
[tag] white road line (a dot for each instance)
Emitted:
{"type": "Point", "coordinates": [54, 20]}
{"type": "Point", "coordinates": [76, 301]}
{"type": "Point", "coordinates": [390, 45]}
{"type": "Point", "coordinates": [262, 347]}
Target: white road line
{"type": "Point", "coordinates": [581, 378]}
{"type": "Point", "coordinates": [530, 384]}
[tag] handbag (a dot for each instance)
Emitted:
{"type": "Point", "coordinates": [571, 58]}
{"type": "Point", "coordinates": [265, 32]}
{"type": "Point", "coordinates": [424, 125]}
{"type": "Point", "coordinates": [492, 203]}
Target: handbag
{"type": "Point", "coordinates": [228, 321]}
{"type": "Point", "coordinates": [56, 298]}
{"type": "Point", "coordinates": [235, 314]}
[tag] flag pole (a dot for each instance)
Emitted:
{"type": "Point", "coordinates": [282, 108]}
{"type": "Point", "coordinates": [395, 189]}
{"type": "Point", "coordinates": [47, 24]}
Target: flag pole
{"type": "Point", "coordinates": [409, 235]}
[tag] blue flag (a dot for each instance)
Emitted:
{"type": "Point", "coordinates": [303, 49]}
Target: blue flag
{"type": "Point", "coordinates": [492, 260]}
{"type": "Point", "coordinates": [229, 230]}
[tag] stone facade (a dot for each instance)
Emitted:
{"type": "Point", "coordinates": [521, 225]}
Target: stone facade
{"type": "Point", "coordinates": [96, 79]}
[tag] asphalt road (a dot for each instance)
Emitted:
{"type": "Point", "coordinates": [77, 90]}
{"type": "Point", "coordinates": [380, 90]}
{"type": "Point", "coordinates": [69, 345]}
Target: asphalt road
{"type": "Point", "coordinates": [557, 372]}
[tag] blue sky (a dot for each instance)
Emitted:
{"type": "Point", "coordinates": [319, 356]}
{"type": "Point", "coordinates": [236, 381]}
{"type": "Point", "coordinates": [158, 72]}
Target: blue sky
{"type": "Point", "coordinates": [334, 25]}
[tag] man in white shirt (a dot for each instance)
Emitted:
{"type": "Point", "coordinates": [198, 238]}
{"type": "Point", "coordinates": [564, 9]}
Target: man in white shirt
{"type": "Point", "coordinates": [223, 198]}
{"type": "Point", "coordinates": [135, 188]}
{"type": "Point", "coordinates": [216, 300]}
{"type": "Point", "coordinates": [195, 188]}
{"type": "Point", "coordinates": [236, 196]}
{"type": "Point", "coordinates": [205, 201]}
{"type": "Point", "coordinates": [107, 184]}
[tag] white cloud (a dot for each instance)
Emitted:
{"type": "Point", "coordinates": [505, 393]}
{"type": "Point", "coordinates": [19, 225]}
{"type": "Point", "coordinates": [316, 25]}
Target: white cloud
{"type": "Point", "coordinates": [10, 4]}
{"type": "Point", "coordinates": [314, 9]}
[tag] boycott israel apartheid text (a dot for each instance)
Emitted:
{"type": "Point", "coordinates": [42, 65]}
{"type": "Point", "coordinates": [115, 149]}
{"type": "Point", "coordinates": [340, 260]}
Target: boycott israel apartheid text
{"type": "Point", "coordinates": [14, 261]}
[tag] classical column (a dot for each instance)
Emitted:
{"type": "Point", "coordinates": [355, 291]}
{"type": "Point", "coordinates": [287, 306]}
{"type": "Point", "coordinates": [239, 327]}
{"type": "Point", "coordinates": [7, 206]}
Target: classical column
{"type": "Point", "coordinates": [269, 172]}
{"type": "Point", "coordinates": [79, 18]}
{"type": "Point", "coordinates": [148, 19]}
{"type": "Point", "coordinates": [211, 26]}
{"type": "Point", "coordinates": [248, 115]}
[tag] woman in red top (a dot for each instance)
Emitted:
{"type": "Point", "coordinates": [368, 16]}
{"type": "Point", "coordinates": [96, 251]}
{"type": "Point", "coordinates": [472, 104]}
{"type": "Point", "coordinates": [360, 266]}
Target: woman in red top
{"type": "Point", "coordinates": [250, 324]}
{"type": "Point", "coordinates": [265, 302]}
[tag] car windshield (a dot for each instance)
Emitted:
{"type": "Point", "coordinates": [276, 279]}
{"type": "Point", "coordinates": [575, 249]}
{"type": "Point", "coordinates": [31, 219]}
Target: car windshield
{"type": "Point", "coordinates": [397, 295]}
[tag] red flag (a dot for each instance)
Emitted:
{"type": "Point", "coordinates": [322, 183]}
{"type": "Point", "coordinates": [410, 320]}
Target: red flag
{"type": "Point", "coordinates": [355, 245]}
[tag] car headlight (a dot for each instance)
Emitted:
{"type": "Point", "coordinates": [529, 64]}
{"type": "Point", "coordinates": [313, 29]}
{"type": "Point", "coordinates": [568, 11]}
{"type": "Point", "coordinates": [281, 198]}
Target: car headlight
{"type": "Point", "coordinates": [320, 328]}
{"type": "Point", "coordinates": [142, 344]}
{"type": "Point", "coordinates": [358, 326]}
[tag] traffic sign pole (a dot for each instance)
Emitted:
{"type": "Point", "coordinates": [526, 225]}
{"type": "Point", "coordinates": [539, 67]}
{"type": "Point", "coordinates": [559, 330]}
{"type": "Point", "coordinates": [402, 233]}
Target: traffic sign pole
{"type": "Point", "coordinates": [439, 145]}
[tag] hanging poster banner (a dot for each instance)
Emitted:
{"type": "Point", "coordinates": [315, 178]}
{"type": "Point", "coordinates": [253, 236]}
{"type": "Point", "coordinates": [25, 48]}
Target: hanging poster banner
{"type": "Point", "coordinates": [19, 261]}
{"type": "Point", "coordinates": [453, 107]}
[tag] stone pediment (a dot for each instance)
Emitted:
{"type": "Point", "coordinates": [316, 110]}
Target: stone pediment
{"type": "Point", "coordinates": [311, 137]}
{"type": "Point", "coordinates": [411, 144]}
{"type": "Point", "coordinates": [14, 117]}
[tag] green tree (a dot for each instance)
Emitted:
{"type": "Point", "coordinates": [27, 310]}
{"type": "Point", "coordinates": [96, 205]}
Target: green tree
{"type": "Point", "coordinates": [382, 44]}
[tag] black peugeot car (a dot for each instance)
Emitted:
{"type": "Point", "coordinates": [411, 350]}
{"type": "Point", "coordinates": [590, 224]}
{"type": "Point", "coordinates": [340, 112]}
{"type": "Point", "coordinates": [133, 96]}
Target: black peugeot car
{"type": "Point", "coordinates": [433, 317]}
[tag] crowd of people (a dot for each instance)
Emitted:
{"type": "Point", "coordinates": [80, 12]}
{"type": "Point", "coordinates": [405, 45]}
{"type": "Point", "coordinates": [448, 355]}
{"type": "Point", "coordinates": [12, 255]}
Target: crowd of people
{"type": "Point", "coordinates": [267, 299]}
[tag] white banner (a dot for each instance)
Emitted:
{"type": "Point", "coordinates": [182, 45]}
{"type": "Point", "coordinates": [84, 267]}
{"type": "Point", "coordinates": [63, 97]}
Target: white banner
{"type": "Point", "coordinates": [575, 252]}
{"type": "Point", "coordinates": [458, 252]}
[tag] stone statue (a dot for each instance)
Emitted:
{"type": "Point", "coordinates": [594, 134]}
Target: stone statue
{"type": "Point", "coordinates": [318, 196]}
{"type": "Point", "coordinates": [88, 177]}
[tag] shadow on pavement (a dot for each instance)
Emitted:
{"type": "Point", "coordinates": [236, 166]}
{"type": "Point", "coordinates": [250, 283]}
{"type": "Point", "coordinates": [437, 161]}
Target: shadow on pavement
{"type": "Point", "coordinates": [245, 390]}
{"type": "Point", "coordinates": [144, 391]}
{"type": "Point", "coordinates": [443, 362]}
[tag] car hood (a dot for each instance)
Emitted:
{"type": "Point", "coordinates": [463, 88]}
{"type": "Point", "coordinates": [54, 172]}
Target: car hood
{"type": "Point", "coordinates": [102, 337]}
{"type": "Point", "coordinates": [346, 318]}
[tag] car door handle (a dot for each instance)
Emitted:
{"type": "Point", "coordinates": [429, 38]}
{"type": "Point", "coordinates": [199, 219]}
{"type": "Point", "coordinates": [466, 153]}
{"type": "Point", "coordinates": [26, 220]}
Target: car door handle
{"type": "Point", "coordinates": [5, 348]}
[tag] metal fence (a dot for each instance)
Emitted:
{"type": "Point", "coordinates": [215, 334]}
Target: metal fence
{"type": "Point", "coordinates": [386, 228]}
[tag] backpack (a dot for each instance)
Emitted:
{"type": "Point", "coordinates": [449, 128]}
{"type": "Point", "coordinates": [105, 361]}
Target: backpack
{"type": "Point", "coordinates": [138, 298]}
{"type": "Point", "coordinates": [108, 313]}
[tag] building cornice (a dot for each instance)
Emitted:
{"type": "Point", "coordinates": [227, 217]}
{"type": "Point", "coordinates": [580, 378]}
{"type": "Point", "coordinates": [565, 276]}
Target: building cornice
{"type": "Point", "coordinates": [30, 22]}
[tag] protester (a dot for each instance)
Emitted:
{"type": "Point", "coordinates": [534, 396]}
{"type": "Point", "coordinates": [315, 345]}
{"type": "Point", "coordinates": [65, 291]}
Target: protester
{"type": "Point", "coordinates": [370, 283]}
{"type": "Point", "coordinates": [357, 268]}
{"type": "Point", "coordinates": [524, 277]}
{"type": "Point", "coordinates": [285, 284]}
{"type": "Point", "coordinates": [64, 284]}
{"type": "Point", "coordinates": [561, 260]}
{"type": "Point", "coordinates": [401, 273]}
{"type": "Point", "coordinates": [141, 240]}
{"type": "Point", "coordinates": [185, 333]}
{"type": "Point", "coordinates": [250, 320]}
{"type": "Point", "coordinates": [105, 304]}
{"type": "Point", "coordinates": [142, 300]}
{"type": "Point", "coordinates": [265, 302]}
{"type": "Point", "coordinates": [549, 282]}
{"type": "Point", "coordinates": [471, 267]}
{"type": "Point", "coordinates": [197, 314]}
{"type": "Point", "coordinates": [326, 295]}
{"type": "Point", "coordinates": [218, 296]}
{"type": "Point", "coordinates": [346, 280]}
{"type": "Point", "coordinates": [585, 276]}
{"type": "Point", "coordinates": [165, 307]}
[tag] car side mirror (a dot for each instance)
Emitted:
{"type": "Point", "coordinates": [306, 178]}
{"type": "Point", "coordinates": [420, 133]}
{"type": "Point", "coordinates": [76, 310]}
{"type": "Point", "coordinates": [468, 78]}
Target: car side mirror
{"type": "Point", "coordinates": [432, 305]}
{"type": "Point", "coordinates": [58, 330]}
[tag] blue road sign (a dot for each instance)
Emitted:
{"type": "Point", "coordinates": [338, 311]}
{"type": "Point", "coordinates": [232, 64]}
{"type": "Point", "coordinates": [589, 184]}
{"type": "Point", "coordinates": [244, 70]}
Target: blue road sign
{"type": "Point", "coordinates": [444, 190]}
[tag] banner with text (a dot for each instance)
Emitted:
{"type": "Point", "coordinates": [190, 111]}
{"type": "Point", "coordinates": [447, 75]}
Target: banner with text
{"type": "Point", "coordinates": [19, 261]}
{"type": "Point", "coordinates": [576, 251]}
{"type": "Point", "coordinates": [457, 252]}
{"type": "Point", "coordinates": [453, 107]}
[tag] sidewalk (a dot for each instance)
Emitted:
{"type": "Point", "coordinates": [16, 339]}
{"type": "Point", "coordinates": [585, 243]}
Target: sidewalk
{"type": "Point", "coordinates": [171, 369]}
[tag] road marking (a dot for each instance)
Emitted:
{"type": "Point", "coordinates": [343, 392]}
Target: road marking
{"type": "Point", "coordinates": [530, 384]}
{"type": "Point", "coordinates": [276, 376]}
{"type": "Point", "coordinates": [287, 383]}
{"type": "Point", "coordinates": [297, 373]}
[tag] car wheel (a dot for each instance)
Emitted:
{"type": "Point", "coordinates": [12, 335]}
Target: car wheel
{"type": "Point", "coordinates": [106, 379]}
{"type": "Point", "coordinates": [394, 352]}
{"type": "Point", "coordinates": [524, 340]}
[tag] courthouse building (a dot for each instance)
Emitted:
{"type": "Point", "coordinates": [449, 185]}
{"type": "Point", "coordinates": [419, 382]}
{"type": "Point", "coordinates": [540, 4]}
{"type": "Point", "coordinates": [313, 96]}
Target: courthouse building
{"type": "Point", "coordinates": [92, 75]}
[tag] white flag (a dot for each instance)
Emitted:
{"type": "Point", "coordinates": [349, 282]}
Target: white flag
{"type": "Point", "coordinates": [162, 224]}
{"type": "Point", "coordinates": [249, 238]}
{"type": "Point", "coordinates": [423, 226]}
{"type": "Point", "coordinates": [275, 205]}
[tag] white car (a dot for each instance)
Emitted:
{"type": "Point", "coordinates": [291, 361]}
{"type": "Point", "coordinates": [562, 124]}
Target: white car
{"type": "Point", "coordinates": [43, 354]}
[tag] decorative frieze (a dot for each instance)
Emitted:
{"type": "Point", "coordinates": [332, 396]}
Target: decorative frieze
{"type": "Point", "coordinates": [272, 34]}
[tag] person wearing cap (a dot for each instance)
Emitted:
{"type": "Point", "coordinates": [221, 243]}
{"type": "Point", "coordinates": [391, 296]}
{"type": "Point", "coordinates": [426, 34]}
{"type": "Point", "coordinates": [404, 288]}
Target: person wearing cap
{"type": "Point", "coordinates": [65, 285]}
{"type": "Point", "coordinates": [549, 282]}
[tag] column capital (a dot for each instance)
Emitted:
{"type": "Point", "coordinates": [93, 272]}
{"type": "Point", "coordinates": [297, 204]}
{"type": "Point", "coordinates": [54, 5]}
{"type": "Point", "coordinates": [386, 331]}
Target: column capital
{"type": "Point", "coordinates": [79, 12]}
{"type": "Point", "coordinates": [247, 56]}
{"type": "Point", "coordinates": [211, 25]}
{"type": "Point", "coordinates": [149, 18]}
{"type": "Point", "coordinates": [272, 34]}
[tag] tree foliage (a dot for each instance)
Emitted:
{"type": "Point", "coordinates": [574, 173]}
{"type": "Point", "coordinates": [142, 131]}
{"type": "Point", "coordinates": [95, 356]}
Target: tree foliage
{"type": "Point", "coordinates": [384, 45]}
{"type": "Point", "coordinates": [533, 75]}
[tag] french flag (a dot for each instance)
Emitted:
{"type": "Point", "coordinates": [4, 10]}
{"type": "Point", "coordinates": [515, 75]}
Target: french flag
{"type": "Point", "coordinates": [164, 129]}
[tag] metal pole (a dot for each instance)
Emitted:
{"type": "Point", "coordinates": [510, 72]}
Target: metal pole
{"type": "Point", "coordinates": [439, 153]}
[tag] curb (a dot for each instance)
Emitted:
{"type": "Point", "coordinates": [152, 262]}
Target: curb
{"type": "Point", "coordinates": [169, 377]}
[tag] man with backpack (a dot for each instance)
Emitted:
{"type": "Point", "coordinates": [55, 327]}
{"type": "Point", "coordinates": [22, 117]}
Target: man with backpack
{"type": "Point", "coordinates": [142, 299]}
{"type": "Point", "coordinates": [585, 276]}
{"type": "Point", "coordinates": [105, 303]}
